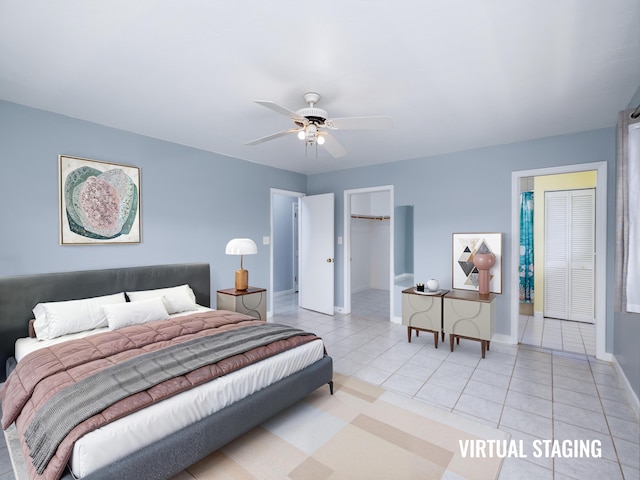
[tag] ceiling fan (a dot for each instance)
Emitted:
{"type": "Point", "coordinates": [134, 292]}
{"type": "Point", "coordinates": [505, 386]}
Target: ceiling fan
{"type": "Point", "coordinates": [312, 123]}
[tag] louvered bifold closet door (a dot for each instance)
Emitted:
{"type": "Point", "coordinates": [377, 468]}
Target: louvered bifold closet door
{"type": "Point", "coordinates": [569, 252]}
{"type": "Point", "coordinates": [556, 256]}
{"type": "Point", "coordinates": [582, 241]}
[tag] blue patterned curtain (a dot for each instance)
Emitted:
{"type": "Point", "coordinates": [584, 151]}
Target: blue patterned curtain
{"type": "Point", "coordinates": [526, 247]}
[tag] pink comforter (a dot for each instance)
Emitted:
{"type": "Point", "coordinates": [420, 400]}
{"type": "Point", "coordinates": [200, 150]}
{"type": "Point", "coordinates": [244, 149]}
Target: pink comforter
{"type": "Point", "coordinates": [46, 371]}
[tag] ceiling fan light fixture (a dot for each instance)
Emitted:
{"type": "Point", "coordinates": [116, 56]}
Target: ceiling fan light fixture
{"type": "Point", "coordinates": [310, 124]}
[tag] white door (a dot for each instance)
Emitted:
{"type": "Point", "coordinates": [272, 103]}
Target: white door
{"type": "Point", "coordinates": [569, 249]}
{"type": "Point", "coordinates": [316, 265]}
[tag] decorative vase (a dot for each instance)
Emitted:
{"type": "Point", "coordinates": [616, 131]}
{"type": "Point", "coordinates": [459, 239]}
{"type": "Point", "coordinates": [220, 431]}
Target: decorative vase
{"type": "Point", "coordinates": [484, 262]}
{"type": "Point", "coordinates": [433, 285]}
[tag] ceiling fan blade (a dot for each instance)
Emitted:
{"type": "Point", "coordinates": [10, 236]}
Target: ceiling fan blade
{"type": "Point", "coordinates": [360, 123]}
{"type": "Point", "coordinates": [272, 136]}
{"type": "Point", "coordinates": [332, 146]}
{"type": "Point", "coordinates": [282, 110]}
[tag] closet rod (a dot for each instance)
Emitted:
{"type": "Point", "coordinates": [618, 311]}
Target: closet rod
{"type": "Point", "coordinates": [371, 217]}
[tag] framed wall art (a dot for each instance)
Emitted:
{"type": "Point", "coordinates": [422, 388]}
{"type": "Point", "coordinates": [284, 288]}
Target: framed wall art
{"type": "Point", "coordinates": [99, 202]}
{"type": "Point", "coordinates": [465, 247]}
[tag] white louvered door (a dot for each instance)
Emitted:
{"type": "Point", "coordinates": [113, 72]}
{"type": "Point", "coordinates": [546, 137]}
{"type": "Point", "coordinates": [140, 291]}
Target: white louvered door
{"type": "Point", "coordinates": [556, 257]}
{"type": "Point", "coordinates": [569, 255]}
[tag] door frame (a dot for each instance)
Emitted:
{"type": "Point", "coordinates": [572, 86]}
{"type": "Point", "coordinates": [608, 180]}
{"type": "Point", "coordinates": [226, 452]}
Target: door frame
{"type": "Point", "coordinates": [295, 233]}
{"type": "Point", "coordinates": [273, 192]}
{"type": "Point", "coordinates": [347, 244]}
{"type": "Point", "coordinates": [600, 263]}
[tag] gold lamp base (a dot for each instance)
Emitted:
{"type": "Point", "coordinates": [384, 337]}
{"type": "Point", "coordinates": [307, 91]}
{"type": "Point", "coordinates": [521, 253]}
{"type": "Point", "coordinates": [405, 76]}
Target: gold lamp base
{"type": "Point", "coordinates": [242, 279]}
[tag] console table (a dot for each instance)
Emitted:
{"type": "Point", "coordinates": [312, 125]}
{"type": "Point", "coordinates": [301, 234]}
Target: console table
{"type": "Point", "coordinates": [252, 301]}
{"type": "Point", "coordinates": [470, 315]}
{"type": "Point", "coordinates": [422, 312]}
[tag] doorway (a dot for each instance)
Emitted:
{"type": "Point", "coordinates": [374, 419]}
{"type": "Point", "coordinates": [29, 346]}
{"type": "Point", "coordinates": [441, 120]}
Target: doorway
{"type": "Point", "coordinates": [283, 251]}
{"type": "Point", "coordinates": [368, 247]}
{"type": "Point", "coordinates": [518, 326]}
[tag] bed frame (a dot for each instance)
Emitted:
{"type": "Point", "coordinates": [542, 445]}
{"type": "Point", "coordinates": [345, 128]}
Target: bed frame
{"type": "Point", "coordinates": [169, 456]}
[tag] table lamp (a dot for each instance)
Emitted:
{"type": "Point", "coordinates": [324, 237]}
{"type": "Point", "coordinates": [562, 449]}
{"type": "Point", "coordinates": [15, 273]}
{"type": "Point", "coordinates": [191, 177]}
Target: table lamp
{"type": "Point", "coordinates": [241, 246]}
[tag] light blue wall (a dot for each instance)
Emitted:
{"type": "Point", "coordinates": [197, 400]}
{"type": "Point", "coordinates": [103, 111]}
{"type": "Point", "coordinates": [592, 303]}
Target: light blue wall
{"type": "Point", "coordinates": [469, 192]}
{"type": "Point", "coordinates": [192, 201]}
{"type": "Point", "coordinates": [403, 249]}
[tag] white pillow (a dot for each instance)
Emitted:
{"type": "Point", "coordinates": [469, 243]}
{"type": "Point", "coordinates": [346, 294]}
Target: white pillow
{"type": "Point", "coordinates": [176, 299]}
{"type": "Point", "coordinates": [54, 319]}
{"type": "Point", "coordinates": [135, 313]}
{"type": "Point", "coordinates": [178, 302]}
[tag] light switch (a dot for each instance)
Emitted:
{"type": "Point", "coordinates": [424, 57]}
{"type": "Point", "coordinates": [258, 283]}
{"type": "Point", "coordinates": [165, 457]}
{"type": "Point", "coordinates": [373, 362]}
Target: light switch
{"type": "Point", "coordinates": [339, 240]}
{"type": "Point", "coordinates": [265, 240]}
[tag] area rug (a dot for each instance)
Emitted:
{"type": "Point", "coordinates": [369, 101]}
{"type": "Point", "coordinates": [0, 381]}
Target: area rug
{"type": "Point", "coordinates": [15, 453]}
{"type": "Point", "coordinates": [361, 432]}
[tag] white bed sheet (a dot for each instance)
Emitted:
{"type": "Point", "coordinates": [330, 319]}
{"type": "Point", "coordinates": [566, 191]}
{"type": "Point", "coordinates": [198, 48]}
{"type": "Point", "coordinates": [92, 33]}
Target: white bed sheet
{"type": "Point", "coordinates": [116, 440]}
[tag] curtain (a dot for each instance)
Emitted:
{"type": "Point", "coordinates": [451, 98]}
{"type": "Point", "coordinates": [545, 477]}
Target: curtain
{"type": "Point", "coordinates": [526, 247]}
{"type": "Point", "coordinates": [633, 266]}
{"type": "Point", "coordinates": [627, 259]}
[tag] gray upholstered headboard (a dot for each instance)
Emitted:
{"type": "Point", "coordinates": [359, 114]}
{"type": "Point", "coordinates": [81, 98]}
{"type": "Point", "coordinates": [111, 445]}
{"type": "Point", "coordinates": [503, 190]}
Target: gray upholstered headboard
{"type": "Point", "coordinates": [18, 295]}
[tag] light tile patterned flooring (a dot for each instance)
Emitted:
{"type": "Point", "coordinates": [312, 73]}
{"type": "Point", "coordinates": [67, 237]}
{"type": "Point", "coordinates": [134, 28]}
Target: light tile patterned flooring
{"type": "Point", "coordinates": [556, 334]}
{"type": "Point", "coordinates": [529, 391]}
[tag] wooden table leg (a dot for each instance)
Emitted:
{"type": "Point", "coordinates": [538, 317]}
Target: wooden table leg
{"type": "Point", "coordinates": [409, 334]}
{"type": "Point", "coordinates": [435, 338]}
{"type": "Point", "coordinates": [483, 344]}
{"type": "Point", "coordinates": [451, 337]}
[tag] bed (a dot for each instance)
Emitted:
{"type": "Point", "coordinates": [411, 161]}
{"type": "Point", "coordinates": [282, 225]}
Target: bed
{"type": "Point", "coordinates": [290, 377]}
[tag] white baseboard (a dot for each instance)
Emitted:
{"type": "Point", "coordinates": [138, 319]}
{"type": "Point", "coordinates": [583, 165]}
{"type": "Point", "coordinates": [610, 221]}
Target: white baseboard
{"type": "Point", "coordinates": [397, 320]}
{"type": "Point", "coordinates": [631, 395]}
{"type": "Point", "coordinates": [538, 315]}
{"type": "Point", "coordinates": [284, 292]}
{"type": "Point", "coordinates": [501, 338]}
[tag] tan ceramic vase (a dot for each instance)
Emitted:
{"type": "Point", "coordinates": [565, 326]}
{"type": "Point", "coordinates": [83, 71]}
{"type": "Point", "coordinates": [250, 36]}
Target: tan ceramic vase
{"type": "Point", "coordinates": [484, 262]}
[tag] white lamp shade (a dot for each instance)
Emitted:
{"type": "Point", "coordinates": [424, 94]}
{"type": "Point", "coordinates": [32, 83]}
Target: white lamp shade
{"type": "Point", "coordinates": [241, 246]}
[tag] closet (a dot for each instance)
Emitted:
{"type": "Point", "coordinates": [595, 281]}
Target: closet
{"type": "Point", "coordinates": [370, 234]}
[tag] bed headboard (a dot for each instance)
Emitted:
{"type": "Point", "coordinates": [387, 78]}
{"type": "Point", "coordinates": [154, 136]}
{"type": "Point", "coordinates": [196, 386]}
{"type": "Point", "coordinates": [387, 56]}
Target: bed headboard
{"type": "Point", "coordinates": [18, 295]}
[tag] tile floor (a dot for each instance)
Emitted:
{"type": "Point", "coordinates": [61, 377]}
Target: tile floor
{"type": "Point", "coordinates": [576, 337]}
{"type": "Point", "coordinates": [529, 391]}
{"type": "Point", "coordinates": [533, 393]}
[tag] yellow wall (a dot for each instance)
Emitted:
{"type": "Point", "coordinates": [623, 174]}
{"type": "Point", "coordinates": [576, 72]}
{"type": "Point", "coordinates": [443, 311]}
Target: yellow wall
{"type": "Point", "coordinates": [542, 184]}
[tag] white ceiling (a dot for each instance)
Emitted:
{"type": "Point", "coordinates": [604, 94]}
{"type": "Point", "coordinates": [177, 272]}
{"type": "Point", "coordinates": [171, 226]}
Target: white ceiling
{"type": "Point", "coordinates": [453, 75]}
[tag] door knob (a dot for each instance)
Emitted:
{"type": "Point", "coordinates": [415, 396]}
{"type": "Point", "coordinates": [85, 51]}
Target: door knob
{"type": "Point", "coordinates": [329, 260]}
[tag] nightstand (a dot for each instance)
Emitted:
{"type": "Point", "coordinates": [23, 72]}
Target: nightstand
{"type": "Point", "coordinates": [470, 315]}
{"type": "Point", "coordinates": [422, 312]}
{"type": "Point", "coordinates": [252, 301]}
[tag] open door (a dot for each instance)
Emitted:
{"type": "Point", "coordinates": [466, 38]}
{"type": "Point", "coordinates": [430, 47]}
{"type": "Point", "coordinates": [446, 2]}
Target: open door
{"type": "Point", "coordinates": [316, 260]}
